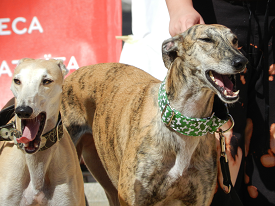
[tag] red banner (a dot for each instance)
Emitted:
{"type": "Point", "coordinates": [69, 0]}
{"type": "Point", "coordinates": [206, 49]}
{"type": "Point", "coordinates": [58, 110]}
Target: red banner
{"type": "Point", "coordinates": [78, 32]}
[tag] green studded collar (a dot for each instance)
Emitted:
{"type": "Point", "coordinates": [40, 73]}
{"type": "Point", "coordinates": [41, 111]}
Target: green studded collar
{"type": "Point", "coordinates": [185, 125]}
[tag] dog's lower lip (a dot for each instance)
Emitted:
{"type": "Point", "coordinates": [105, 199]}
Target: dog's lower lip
{"type": "Point", "coordinates": [32, 147]}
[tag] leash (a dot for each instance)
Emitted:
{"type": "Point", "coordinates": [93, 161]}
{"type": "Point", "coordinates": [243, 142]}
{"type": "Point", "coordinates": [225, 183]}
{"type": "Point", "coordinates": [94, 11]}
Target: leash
{"type": "Point", "coordinates": [228, 187]}
{"type": "Point", "coordinates": [6, 115]}
{"type": "Point", "coordinates": [199, 127]}
{"type": "Point", "coordinates": [8, 132]}
{"type": "Point", "coordinates": [225, 168]}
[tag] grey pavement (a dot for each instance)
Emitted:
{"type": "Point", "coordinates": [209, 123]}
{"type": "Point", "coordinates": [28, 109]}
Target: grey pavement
{"type": "Point", "coordinates": [95, 194]}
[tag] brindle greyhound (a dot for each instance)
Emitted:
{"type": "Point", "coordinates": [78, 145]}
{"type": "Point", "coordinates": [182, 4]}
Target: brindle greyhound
{"type": "Point", "coordinates": [43, 169]}
{"type": "Point", "coordinates": [152, 143]}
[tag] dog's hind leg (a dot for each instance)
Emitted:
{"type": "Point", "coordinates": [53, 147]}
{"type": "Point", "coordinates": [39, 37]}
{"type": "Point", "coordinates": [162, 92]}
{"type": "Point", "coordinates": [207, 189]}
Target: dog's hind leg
{"type": "Point", "coordinates": [95, 166]}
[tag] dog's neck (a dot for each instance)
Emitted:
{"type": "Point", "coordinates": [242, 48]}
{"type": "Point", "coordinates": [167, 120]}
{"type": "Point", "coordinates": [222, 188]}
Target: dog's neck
{"type": "Point", "coordinates": [38, 163]}
{"type": "Point", "coordinates": [186, 94]}
{"type": "Point", "coordinates": [194, 105]}
{"type": "Point", "coordinates": [52, 117]}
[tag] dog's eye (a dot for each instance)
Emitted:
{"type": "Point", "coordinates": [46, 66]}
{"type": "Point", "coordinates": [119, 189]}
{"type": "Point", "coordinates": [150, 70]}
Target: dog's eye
{"type": "Point", "coordinates": [208, 40]}
{"type": "Point", "coordinates": [47, 81]}
{"type": "Point", "coordinates": [235, 40]}
{"type": "Point", "coordinates": [17, 81]}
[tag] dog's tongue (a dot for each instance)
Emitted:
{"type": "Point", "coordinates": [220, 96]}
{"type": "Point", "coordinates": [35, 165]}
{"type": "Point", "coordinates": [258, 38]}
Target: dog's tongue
{"type": "Point", "coordinates": [30, 130]}
{"type": "Point", "coordinates": [223, 81]}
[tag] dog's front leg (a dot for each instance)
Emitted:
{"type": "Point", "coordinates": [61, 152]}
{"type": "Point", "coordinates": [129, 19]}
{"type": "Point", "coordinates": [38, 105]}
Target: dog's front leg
{"type": "Point", "coordinates": [95, 166]}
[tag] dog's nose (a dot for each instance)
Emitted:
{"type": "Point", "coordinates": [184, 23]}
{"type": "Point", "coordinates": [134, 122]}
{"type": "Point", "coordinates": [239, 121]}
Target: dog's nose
{"type": "Point", "coordinates": [24, 111]}
{"type": "Point", "coordinates": [239, 62]}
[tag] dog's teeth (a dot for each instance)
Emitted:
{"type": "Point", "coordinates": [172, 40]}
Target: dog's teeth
{"type": "Point", "coordinates": [26, 144]}
{"type": "Point", "coordinates": [211, 74]}
{"type": "Point", "coordinates": [212, 77]}
{"type": "Point", "coordinates": [225, 92]}
{"type": "Point", "coordinates": [236, 93]}
{"type": "Point", "coordinates": [35, 144]}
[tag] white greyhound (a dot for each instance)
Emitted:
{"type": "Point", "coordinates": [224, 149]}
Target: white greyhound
{"type": "Point", "coordinates": [45, 169]}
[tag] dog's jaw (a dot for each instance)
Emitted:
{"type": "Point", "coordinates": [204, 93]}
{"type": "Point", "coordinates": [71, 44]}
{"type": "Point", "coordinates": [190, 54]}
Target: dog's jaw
{"type": "Point", "coordinates": [223, 86]}
{"type": "Point", "coordinates": [32, 130]}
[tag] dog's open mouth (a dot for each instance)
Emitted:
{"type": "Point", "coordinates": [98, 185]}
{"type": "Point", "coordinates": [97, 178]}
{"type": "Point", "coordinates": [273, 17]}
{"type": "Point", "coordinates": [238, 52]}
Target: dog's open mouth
{"type": "Point", "coordinates": [224, 84]}
{"type": "Point", "coordinates": [32, 130]}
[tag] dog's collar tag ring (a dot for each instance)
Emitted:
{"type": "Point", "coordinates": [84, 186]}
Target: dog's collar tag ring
{"type": "Point", "coordinates": [227, 184]}
{"type": "Point", "coordinates": [10, 133]}
{"type": "Point", "coordinates": [185, 125]}
{"type": "Point", "coordinates": [5, 133]}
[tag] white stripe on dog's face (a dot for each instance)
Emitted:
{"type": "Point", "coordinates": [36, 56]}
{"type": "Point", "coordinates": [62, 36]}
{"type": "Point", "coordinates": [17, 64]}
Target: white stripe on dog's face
{"type": "Point", "coordinates": [37, 85]}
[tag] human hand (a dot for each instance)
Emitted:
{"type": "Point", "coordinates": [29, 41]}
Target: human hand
{"type": "Point", "coordinates": [182, 16]}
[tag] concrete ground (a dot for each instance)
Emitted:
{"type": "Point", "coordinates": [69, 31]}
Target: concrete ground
{"type": "Point", "coordinates": [93, 191]}
{"type": "Point", "coordinates": [95, 194]}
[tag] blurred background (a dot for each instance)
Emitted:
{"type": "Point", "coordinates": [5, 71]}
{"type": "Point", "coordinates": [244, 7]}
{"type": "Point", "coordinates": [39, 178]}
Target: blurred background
{"type": "Point", "coordinates": [126, 17]}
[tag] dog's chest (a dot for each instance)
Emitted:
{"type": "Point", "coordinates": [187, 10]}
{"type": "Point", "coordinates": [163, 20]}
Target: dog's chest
{"type": "Point", "coordinates": [188, 177]}
{"type": "Point", "coordinates": [37, 191]}
{"type": "Point", "coordinates": [32, 197]}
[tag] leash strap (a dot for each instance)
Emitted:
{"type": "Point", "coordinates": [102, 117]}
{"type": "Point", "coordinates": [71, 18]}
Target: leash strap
{"type": "Point", "coordinates": [224, 164]}
{"type": "Point", "coordinates": [185, 125]}
{"type": "Point", "coordinates": [227, 184]}
{"type": "Point", "coordinates": [6, 115]}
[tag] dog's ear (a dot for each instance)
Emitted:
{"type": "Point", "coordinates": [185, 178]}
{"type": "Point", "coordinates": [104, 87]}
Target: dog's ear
{"type": "Point", "coordinates": [63, 68]}
{"type": "Point", "coordinates": [169, 50]}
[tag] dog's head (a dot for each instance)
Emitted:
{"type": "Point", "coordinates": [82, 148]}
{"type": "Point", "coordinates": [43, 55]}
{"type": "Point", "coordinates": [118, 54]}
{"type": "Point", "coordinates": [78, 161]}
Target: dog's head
{"type": "Point", "coordinates": [37, 87]}
{"type": "Point", "coordinates": [211, 53]}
